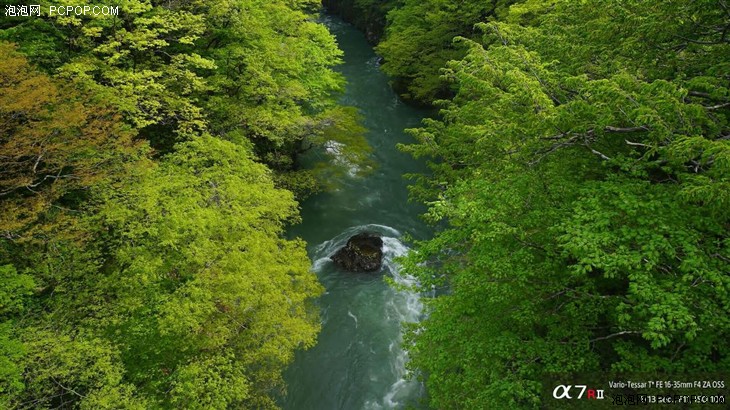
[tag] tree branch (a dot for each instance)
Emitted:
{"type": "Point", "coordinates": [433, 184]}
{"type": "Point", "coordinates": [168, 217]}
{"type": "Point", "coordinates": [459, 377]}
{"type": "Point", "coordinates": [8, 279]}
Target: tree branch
{"type": "Point", "coordinates": [611, 336]}
{"type": "Point", "coordinates": [588, 137]}
{"type": "Point", "coordinates": [718, 106]}
{"type": "Point", "coordinates": [705, 95]}
{"type": "Point", "coordinates": [67, 388]}
{"type": "Point", "coordinates": [37, 161]}
{"type": "Point", "coordinates": [638, 144]}
{"type": "Point", "coordinates": [600, 154]}
{"type": "Point", "coordinates": [642, 128]}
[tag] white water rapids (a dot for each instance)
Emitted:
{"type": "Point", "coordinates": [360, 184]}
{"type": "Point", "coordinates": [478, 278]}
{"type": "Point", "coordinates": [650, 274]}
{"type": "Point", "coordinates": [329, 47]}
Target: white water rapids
{"type": "Point", "coordinates": [359, 361]}
{"type": "Point", "coordinates": [399, 306]}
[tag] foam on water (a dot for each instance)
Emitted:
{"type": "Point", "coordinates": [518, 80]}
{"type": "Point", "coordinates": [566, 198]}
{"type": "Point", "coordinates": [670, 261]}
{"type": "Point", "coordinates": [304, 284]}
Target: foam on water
{"type": "Point", "coordinates": [353, 317]}
{"type": "Point", "coordinates": [336, 150]}
{"type": "Point", "coordinates": [402, 306]}
{"type": "Point", "coordinates": [327, 248]}
{"type": "Point", "coordinates": [407, 307]}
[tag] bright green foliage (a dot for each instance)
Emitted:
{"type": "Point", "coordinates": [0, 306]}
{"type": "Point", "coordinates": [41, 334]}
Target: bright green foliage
{"type": "Point", "coordinates": [143, 61]}
{"type": "Point", "coordinates": [187, 298]}
{"type": "Point", "coordinates": [133, 282]}
{"type": "Point", "coordinates": [245, 70]}
{"type": "Point", "coordinates": [61, 369]}
{"type": "Point", "coordinates": [15, 287]}
{"type": "Point", "coordinates": [14, 290]}
{"type": "Point", "coordinates": [11, 352]}
{"type": "Point", "coordinates": [419, 41]}
{"type": "Point", "coordinates": [369, 16]}
{"type": "Point", "coordinates": [583, 169]}
{"type": "Point", "coordinates": [273, 75]}
{"type": "Point", "coordinates": [200, 250]}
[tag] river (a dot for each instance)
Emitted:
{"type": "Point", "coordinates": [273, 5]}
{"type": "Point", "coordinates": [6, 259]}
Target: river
{"type": "Point", "coordinates": [358, 362]}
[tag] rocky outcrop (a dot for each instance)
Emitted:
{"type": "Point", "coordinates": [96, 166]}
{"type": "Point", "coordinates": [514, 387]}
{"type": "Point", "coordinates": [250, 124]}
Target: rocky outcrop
{"type": "Point", "coordinates": [363, 253]}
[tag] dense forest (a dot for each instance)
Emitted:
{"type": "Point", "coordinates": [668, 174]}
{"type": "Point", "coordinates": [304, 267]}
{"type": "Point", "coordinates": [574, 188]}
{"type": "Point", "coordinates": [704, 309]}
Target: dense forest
{"type": "Point", "coordinates": [581, 166]}
{"type": "Point", "coordinates": [147, 172]}
{"type": "Point", "coordinates": [580, 189]}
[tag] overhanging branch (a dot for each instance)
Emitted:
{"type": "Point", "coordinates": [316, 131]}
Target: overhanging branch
{"type": "Point", "coordinates": [611, 129]}
{"type": "Point", "coordinates": [611, 336]}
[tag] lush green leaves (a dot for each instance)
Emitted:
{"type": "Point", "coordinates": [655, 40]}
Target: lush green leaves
{"type": "Point", "coordinates": [419, 41]}
{"type": "Point", "coordinates": [581, 168]}
{"type": "Point", "coordinates": [187, 295]}
{"type": "Point", "coordinates": [199, 249]}
{"type": "Point", "coordinates": [133, 281]}
{"type": "Point", "coordinates": [248, 70]}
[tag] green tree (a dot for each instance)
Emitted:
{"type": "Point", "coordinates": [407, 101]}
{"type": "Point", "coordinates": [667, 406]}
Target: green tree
{"type": "Point", "coordinates": [419, 41]}
{"type": "Point", "coordinates": [136, 283]}
{"type": "Point", "coordinates": [181, 292]}
{"type": "Point", "coordinates": [201, 268]}
{"type": "Point", "coordinates": [585, 189]}
{"type": "Point", "coordinates": [56, 141]}
{"type": "Point", "coordinates": [246, 71]}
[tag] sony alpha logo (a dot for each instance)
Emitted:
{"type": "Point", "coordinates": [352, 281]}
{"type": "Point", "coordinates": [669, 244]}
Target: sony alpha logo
{"type": "Point", "coordinates": [564, 392]}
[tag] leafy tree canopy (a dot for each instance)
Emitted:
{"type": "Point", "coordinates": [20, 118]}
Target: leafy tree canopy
{"type": "Point", "coordinates": [142, 254]}
{"type": "Point", "coordinates": [419, 41]}
{"type": "Point", "coordinates": [582, 168]}
{"type": "Point", "coordinates": [247, 71]}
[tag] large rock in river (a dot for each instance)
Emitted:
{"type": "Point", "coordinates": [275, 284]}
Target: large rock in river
{"type": "Point", "coordinates": [363, 253]}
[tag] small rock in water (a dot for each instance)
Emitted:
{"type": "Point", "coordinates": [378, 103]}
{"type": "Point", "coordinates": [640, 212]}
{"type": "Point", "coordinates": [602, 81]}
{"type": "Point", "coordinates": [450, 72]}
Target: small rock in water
{"type": "Point", "coordinates": [363, 253]}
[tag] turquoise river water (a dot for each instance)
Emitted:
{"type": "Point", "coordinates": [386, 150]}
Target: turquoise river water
{"type": "Point", "coordinates": [358, 362]}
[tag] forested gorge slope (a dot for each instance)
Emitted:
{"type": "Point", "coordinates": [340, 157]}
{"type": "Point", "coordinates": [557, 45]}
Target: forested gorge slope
{"type": "Point", "coordinates": [142, 164]}
{"type": "Point", "coordinates": [582, 170]}
{"type": "Point", "coordinates": [415, 38]}
{"type": "Point", "coordinates": [147, 169]}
